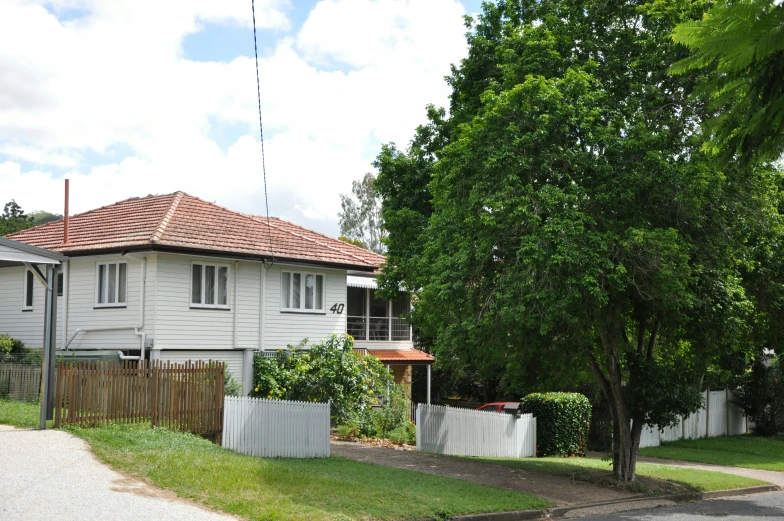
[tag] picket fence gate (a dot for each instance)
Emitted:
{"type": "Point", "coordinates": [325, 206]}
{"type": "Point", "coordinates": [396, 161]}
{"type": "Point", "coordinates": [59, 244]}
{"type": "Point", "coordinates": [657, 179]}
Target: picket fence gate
{"type": "Point", "coordinates": [720, 416]}
{"type": "Point", "coordinates": [276, 428]}
{"type": "Point", "coordinates": [465, 432]}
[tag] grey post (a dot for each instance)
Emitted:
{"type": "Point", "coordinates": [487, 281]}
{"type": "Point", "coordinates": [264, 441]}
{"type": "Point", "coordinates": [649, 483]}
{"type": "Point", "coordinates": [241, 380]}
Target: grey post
{"type": "Point", "coordinates": [50, 340]}
{"type": "Point", "coordinates": [428, 384]}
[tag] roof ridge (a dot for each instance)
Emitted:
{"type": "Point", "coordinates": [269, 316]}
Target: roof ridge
{"type": "Point", "coordinates": [365, 261]}
{"type": "Point", "coordinates": [347, 250]}
{"type": "Point", "coordinates": [158, 233]}
{"type": "Point", "coordinates": [348, 244]}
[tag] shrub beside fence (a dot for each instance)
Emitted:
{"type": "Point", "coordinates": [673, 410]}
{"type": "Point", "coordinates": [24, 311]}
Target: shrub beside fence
{"type": "Point", "coordinates": [184, 397]}
{"type": "Point", "coordinates": [276, 428]}
{"type": "Point", "coordinates": [464, 432]}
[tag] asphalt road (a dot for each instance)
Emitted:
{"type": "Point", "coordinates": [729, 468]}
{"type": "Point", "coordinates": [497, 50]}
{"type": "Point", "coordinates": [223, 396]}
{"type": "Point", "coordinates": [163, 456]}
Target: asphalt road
{"type": "Point", "coordinates": [752, 508]}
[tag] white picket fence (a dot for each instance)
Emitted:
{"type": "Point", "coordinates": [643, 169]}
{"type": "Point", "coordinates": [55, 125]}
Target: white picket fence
{"type": "Point", "coordinates": [718, 417]}
{"type": "Point", "coordinates": [276, 428]}
{"type": "Point", "coordinates": [465, 432]}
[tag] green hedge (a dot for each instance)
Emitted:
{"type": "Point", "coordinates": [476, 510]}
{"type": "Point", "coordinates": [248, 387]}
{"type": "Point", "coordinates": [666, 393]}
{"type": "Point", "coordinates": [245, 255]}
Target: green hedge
{"type": "Point", "coordinates": [562, 422]}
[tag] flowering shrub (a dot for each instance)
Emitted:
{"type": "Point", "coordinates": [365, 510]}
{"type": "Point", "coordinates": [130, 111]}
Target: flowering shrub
{"type": "Point", "coordinates": [330, 370]}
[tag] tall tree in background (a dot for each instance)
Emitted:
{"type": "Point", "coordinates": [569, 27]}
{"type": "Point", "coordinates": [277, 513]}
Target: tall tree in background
{"type": "Point", "coordinates": [563, 215]}
{"type": "Point", "coordinates": [14, 219]}
{"type": "Point", "coordinates": [40, 217]}
{"type": "Point", "coordinates": [360, 215]}
{"type": "Point", "coordinates": [742, 41]}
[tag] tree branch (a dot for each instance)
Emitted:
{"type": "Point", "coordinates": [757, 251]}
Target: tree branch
{"type": "Point", "coordinates": [641, 334]}
{"type": "Point", "coordinates": [653, 339]}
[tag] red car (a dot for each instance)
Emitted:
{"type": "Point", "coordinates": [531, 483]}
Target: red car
{"type": "Point", "coordinates": [507, 407]}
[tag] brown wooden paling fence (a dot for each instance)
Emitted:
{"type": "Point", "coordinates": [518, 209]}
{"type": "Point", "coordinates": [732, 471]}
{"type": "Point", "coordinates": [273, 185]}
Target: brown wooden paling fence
{"type": "Point", "coordinates": [20, 381]}
{"type": "Point", "coordinates": [184, 397]}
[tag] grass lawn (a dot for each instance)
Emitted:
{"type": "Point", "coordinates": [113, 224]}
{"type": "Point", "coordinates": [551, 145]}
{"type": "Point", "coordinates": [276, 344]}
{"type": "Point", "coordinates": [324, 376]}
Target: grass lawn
{"type": "Point", "coordinates": [652, 478]}
{"type": "Point", "coordinates": [332, 489]}
{"type": "Point", "coordinates": [20, 414]}
{"type": "Point", "coordinates": [752, 452]}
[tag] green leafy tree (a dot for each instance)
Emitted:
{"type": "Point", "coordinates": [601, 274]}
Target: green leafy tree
{"type": "Point", "coordinates": [355, 242]}
{"type": "Point", "coordinates": [360, 216]}
{"type": "Point", "coordinates": [742, 41]}
{"type": "Point", "coordinates": [40, 217]}
{"type": "Point", "coordinates": [14, 219]}
{"type": "Point", "coordinates": [563, 212]}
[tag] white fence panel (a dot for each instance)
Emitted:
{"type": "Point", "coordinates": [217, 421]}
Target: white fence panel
{"type": "Point", "coordinates": [673, 433]}
{"type": "Point", "coordinates": [465, 432]}
{"type": "Point", "coordinates": [717, 414]}
{"type": "Point", "coordinates": [721, 417]}
{"type": "Point", "coordinates": [276, 428]}
{"type": "Point", "coordinates": [649, 437]}
{"type": "Point", "coordinates": [736, 420]}
{"type": "Point", "coordinates": [695, 424]}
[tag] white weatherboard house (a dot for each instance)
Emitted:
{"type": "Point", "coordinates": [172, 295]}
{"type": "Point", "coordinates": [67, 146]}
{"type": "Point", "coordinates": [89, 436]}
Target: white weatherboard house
{"type": "Point", "coordinates": [173, 277]}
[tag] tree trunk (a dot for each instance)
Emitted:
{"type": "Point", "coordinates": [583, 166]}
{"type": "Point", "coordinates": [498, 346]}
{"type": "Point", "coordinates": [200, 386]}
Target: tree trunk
{"type": "Point", "coordinates": [627, 431]}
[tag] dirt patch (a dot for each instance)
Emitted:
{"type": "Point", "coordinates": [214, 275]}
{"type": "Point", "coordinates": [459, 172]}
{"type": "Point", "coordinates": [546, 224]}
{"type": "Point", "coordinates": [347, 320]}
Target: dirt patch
{"type": "Point", "coordinates": [376, 442]}
{"type": "Point", "coordinates": [560, 490]}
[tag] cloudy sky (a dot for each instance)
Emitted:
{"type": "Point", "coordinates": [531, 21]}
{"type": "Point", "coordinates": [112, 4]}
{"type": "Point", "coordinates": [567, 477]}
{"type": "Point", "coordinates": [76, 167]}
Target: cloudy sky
{"type": "Point", "coordinates": [132, 97]}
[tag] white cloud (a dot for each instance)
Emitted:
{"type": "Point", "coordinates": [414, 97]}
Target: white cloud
{"type": "Point", "coordinates": [117, 78]}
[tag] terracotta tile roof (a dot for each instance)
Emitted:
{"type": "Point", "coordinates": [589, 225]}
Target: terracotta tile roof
{"type": "Point", "coordinates": [402, 355]}
{"type": "Point", "coordinates": [181, 221]}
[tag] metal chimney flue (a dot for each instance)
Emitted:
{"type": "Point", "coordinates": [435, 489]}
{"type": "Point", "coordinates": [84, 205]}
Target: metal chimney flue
{"type": "Point", "coordinates": [65, 215]}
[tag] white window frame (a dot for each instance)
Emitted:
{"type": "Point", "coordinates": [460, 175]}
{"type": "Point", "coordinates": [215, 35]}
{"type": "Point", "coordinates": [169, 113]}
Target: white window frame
{"type": "Point", "coordinates": [116, 303]}
{"type": "Point", "coordinates": [319, 311]}
{"type": "Point", "coordinates": [25, 307]}
{"type": "Point", "coordinates": [217, 267]}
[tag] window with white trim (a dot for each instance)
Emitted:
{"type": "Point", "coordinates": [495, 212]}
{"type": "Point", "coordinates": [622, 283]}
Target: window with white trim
{"type": "Point", "coordinates": [111, 284]}
{"type": "Point", "coordinates": [29, 284]}
{"type": "Point", "coordinates": [300, 291]}
{"type": "Point", "coordinates": [209, 285]}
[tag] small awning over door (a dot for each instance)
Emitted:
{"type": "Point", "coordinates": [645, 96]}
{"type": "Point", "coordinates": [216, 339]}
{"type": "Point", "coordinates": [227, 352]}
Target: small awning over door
{"type": "Point", "coordinates": [354, 281]}
{"type": "Point", "coordinates": [402, 356]}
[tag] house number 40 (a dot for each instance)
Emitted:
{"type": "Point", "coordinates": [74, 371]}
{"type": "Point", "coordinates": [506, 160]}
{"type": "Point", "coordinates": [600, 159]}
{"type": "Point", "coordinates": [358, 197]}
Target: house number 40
{"type": "Point", "coordinates": [337, 308]}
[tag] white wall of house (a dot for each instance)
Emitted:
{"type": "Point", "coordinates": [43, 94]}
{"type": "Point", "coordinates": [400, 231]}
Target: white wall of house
{"type": "Point", "coordinates": [254, 319]}
{"type": "Point", "coordinates": [183, 327]}
{"type": "Point", "coordinates": [84, 313]}
{"type": "Point", "coordinates": [28, 325]}
{"type": "Point", "coordinates": [282, 328]}
{"type": "Point", "coordinates": [232, 359]}
{"type": "Point", "coordinates": [178, 325]}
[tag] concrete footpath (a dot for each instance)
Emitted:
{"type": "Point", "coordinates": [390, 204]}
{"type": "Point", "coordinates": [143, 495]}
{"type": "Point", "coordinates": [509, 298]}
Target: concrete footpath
{"type": "Point", "coordinates": [54, 475]}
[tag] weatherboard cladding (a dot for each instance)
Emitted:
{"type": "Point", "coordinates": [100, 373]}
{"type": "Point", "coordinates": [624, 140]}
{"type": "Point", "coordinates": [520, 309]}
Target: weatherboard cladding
{"type": "Point", "coordinates": [181, 221]}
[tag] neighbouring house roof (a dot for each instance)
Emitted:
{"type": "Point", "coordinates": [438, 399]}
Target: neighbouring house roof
{"type": "Point", "coordinates": [181, 222]}
{"type": "Point", "coordinates": [402, 356]}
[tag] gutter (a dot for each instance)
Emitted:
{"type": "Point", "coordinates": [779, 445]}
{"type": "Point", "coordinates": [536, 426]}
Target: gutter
{"type": "Point", "coordinates": [159, 248]}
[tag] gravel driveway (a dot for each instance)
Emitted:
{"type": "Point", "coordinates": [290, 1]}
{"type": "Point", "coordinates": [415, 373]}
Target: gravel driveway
{"type": "Point", "coordinates": [561, 491]}
{"type": "Point", "coordinates": [53, 475]}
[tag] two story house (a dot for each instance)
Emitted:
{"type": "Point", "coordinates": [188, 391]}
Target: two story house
{"type": "Point", "coordinates": [173, 277]}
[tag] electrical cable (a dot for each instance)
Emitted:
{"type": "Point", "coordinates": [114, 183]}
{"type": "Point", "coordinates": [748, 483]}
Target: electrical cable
{"type": "Point", "coordinates": [261, 134]}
